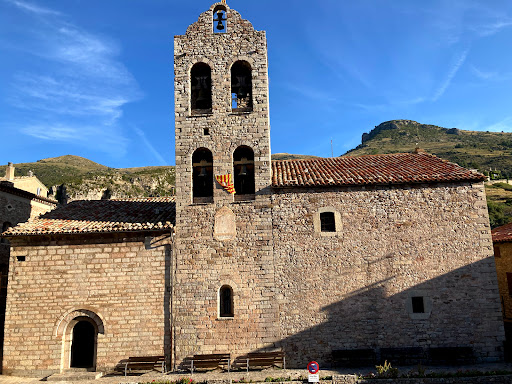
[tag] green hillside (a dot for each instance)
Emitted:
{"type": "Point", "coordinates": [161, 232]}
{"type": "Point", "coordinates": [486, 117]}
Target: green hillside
{"type": "Point", "coordinates": [289, 156]}
{"type": "Point", "coordinates": [479, 150]}
{"type": "Point", "coordinates": [85, 179]}
{"type": "Point", "coordinates": [61, 170]}
{"type": "Point", "coordinates": [484, 151]}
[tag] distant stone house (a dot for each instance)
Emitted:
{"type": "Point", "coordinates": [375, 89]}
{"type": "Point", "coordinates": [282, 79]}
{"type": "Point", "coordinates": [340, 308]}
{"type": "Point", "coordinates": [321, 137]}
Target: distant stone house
{"type": "Point", "coordinates": [502, 239]}
{"type": "Point", "coordinates": [29, 183]}
{"type": "Point", "coordinates": [390, 255]}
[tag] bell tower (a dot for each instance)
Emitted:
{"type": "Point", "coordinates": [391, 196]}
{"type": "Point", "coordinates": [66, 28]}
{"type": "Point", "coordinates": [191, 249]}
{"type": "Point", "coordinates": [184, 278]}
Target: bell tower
{"type": "Point", "coordinates": [224, 270]}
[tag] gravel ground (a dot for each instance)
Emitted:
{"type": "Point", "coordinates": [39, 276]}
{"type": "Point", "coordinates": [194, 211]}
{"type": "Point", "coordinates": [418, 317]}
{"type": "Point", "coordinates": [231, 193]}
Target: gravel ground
{"type": "Point", "coordinates": [254, 376]}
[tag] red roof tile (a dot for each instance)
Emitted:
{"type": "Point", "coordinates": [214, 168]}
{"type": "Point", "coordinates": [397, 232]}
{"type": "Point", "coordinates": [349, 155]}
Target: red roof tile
{"type": "Point", "coordinates": [502, 234]}
{"type": "Point", "coordinates": [100, 216]}
{"type": "Point", "coordinates": [399, 168]}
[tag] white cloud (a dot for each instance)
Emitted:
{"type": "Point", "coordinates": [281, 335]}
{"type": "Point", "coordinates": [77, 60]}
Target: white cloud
{"type": "Point", "coordinates": [504, 125]}
{"type": "Point", "coordinates": [33, 8]}
{"type": "Point", "coordinates": [78, 89]}
{"type": "Point", "coordinates": [80, 133]}
{"type": "Point", "coordinates": [492, 27]}
{"type": "Point", "coordinates": [482, 74]}
{"type": "Point", "coordinates": [451, 74]}
{"type": "Point", "coordinates": [150, 146]}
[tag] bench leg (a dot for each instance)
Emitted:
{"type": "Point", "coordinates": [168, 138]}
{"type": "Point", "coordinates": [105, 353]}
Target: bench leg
{"type": "Point", "coordinates": [125, 368]}
{"type": "Point", "coordinates": [247, 366]}
{"type": "Point", "coordinates": [284, 362]}
{"type": "Point", "coordinates": [192, 367]}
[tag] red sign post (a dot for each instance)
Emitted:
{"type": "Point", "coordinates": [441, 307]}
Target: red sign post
{"type": "Point", "coordinates": [313, 369]}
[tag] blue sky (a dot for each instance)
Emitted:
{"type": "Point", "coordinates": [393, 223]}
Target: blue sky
{"type": "Point", "coordinates": [94, 78]}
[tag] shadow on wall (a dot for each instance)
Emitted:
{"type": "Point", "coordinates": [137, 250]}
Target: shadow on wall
{"type": "Point", "coordinates": [454, 318]}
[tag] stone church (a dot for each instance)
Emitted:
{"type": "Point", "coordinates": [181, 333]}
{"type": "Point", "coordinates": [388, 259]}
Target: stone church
{"type": "Point", "coordinates": [324, 259]}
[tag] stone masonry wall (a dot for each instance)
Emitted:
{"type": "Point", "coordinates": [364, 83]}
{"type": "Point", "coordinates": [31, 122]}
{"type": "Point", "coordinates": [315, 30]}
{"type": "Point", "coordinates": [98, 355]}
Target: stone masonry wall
{"type": "Point", "coordinates": [16, 209]}
{"type": "Point", "coordinates": [243, 259]}
{"type": "Point", "coordinates": [352, 289]}
{"type": "Point", "coordinates": [115, 281]}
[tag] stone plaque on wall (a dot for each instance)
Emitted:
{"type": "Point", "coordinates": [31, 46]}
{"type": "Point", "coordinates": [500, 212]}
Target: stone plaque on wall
{"type": "Point", "coordinates": [225, 225]}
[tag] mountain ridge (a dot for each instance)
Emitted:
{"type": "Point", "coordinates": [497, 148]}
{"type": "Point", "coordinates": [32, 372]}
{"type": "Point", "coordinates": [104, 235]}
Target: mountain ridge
{"type": "Point", "coordinates": [484, 151]}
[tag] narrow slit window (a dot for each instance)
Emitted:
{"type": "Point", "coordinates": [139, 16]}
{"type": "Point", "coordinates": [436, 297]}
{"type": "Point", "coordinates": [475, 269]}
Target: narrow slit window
{"type": "Point", "coordinates": [509, 283]}
{"type": "Point", "coordinates": [327, 222]}
{"type": "Point", "coordinates": [418, 304]}
{"type": "Point", "coordinates": [226, 301]}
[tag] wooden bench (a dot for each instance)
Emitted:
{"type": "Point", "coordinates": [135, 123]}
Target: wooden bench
{"type": "Point", "coordinates": [261, 360]}
{"type": "Point", "coordinates": [212, 361]}
{"type": "Point", "coordinates": [142, 363]}
{"type": "Point", "coordinates": [403, 356]}
{"type": "Point", "coordinates": [451, 356]}
{"type": "Point", "coordinates": [353, 358]}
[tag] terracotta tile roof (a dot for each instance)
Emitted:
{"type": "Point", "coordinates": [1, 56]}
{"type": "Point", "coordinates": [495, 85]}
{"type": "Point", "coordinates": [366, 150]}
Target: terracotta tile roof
{"type": "Point", "coordinates": [101, 216]}
{"type": "Point", "coordinates": [399, 168]}
{"type": "Point", "coordinates": [502, 234]}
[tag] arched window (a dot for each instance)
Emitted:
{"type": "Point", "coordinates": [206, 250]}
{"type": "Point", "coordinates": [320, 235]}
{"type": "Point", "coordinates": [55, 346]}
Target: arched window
{"type": "Point", "coordinates": [243, 169]}
{"type": "Point", "coordinates": [219, 19]}
{"type": "Point", "coordinates": [201, 88]}
{"type": "Point", "coordinates": [226, 301]}
{"type": "Point", "coordinates": [202, 176]}
{"type": "Point", "coordinates": [241, 87]}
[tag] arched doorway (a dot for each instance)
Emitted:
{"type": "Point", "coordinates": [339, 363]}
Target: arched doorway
{"type": "Point", "coordinates": [79, 336]}
{"type": "Point", "coordinates": [83, 345]}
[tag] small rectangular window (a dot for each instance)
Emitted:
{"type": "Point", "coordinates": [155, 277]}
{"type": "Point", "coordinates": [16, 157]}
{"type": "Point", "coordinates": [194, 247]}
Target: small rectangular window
{"type": "Point", "coordinates": [206, 132]}
{"type": "Point", "coordinates": [497, 252]}
{"type": "Point", "coordinates": [20, 258]}
{"type": "Point", "coordinates": [327, 222]}
{"type": "Point", "coordinates": [418, 305]}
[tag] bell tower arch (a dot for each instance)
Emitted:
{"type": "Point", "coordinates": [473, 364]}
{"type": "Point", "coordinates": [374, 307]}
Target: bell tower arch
{"type": "Point", "coordinates": [222, 126]}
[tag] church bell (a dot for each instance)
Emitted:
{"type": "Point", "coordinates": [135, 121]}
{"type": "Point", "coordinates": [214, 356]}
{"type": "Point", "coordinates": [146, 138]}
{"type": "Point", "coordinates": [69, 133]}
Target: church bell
{"type": "Point", "coordinates": [220, 19]}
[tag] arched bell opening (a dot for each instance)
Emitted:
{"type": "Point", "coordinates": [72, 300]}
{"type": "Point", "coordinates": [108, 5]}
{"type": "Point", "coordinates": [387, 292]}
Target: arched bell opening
{"type": "Point", "coordinates": [220, 19]}
{"type": "Point", "coordinates": [243, 170]}
{"type": "Point", "coordinates": [201, 89]}
{"type": "Point", "coordinates": [202, 176]}
{"type": "Point", "coordinates": [241, 87]}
